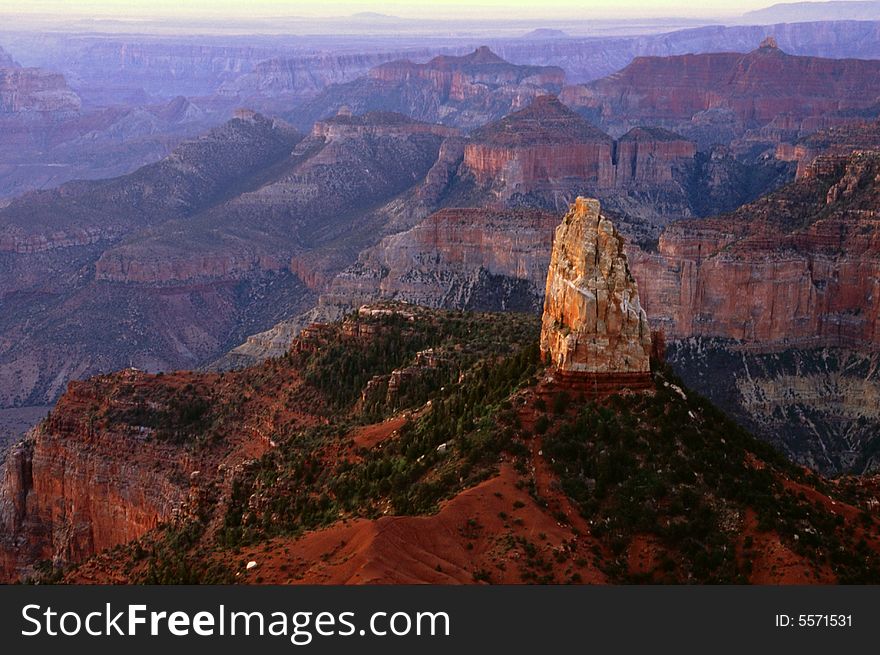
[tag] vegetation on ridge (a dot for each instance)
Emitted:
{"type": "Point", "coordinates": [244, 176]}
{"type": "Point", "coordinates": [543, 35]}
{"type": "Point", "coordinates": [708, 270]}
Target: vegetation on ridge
{"type": "Point", "coordinates": [666, 470]}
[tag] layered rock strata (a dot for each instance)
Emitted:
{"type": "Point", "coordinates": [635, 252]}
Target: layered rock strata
{"type": "Point", "coordinates": [465, 92]}
{"type": "Point", "coordinates": [547, 146]}
{"type": "Point", "coordinates": [593, 322]}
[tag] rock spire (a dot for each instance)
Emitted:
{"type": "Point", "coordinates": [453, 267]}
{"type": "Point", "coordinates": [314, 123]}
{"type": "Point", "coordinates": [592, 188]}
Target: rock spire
{"type": "Point", "coordinates": [593, 322]}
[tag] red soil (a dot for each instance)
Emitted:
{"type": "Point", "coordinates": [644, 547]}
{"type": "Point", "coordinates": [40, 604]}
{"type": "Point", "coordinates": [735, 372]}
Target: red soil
{"type": "Point", "coordinates": [370, 436]}
{"type": "Point", "coordinates": [475, 536]}
{"type": "Point", "coordinates": [775, 563]}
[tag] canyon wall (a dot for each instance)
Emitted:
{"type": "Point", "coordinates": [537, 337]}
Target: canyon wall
{"type": "Point", "coordinates": [756, 87]}
{"type": "Point", "coordinates": [647, 155]}
{"type": "Point", "coordinates": [32, 89]}
{"type": "Point", "coordinates": [471, 76]}
{"type": "Point", "coordinates": [751, 101]}
{"type": "Point", "coordinates": [466, 92]}
{"type": "Point", "coordinates": [529, 167]}
{"type": "Point", "coordinates": [750, 277]}
{"type": "Point", "coordinates": [547, 147]}
{"type": "Point", "coordinates": [833, 143]}
{"type": "Point", "coordinates": [74, 488]}
{"type": "Point", "coordinates": [307, 75]}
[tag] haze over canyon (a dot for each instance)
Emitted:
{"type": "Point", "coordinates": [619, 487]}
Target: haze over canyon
{"type": "Point", "coordinates": [318, 295]}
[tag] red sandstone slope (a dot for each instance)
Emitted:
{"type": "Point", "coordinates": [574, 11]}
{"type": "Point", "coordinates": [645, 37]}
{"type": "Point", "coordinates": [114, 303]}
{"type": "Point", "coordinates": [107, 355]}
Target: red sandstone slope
{"type": "Point", "coordinates": [498, 478]}
{"type": "Point", "coordinates": [484, 534]}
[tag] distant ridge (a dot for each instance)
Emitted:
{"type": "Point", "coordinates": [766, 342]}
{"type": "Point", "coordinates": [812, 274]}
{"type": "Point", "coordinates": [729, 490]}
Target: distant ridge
{"type": "Point", "coordinates": [803, 12]}
{"type": "Point", "coordinates": [546, 33]}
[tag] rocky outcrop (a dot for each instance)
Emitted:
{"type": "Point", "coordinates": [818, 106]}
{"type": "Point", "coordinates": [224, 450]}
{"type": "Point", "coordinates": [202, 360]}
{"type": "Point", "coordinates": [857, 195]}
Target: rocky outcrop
{"type": "Point", "coordinates": [592, 58]}
{"type": "Point", "coordinates": [465, 92]}
{"type": "Point", "coordinates": [835, 142]}
{"type": "Point", "coordinates": [35, 90]}
{"type": "Point", "coordinates": [72, 489]}
{"type": "Point", "coordinates": [593, 322]}
{"type": "Point", "coordinates": [547, 147]}
{"type": "Point", "coordinates": [307, 75]}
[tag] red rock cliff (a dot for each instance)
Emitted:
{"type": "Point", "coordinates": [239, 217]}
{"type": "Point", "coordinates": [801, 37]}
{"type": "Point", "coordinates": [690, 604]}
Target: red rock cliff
{"type": "Point", "coordinates": [470, 76]}
{"type": "Point", "coordinates": [756, 87]}
{"type": "Point", "coordinates": [785, 270]}
{"type": "Point", "coordinates": [124, 452]}
{"type": "Point", "coordinates": [546, 143]}
{"type": "Point", "coordinates": [73, 489]}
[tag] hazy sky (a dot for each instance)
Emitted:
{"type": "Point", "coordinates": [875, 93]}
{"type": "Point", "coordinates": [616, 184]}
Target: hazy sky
{"type": "Point", "coordinates": [410, 8]}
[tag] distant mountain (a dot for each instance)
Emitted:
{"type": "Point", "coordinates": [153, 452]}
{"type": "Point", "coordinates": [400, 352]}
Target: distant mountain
{"type": "Point", "coordinates": [723, 96]}
{"type": "Point", "coordinates": [465, 92]}
{"type": "Point", "coordinates": [545, 33]}
{"type": "Point", "coordinates": [802, 12]}
{"type": "Point", "coordinates": [374, 16]}
{"type": "Point", "coordinates": [6, 60]}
